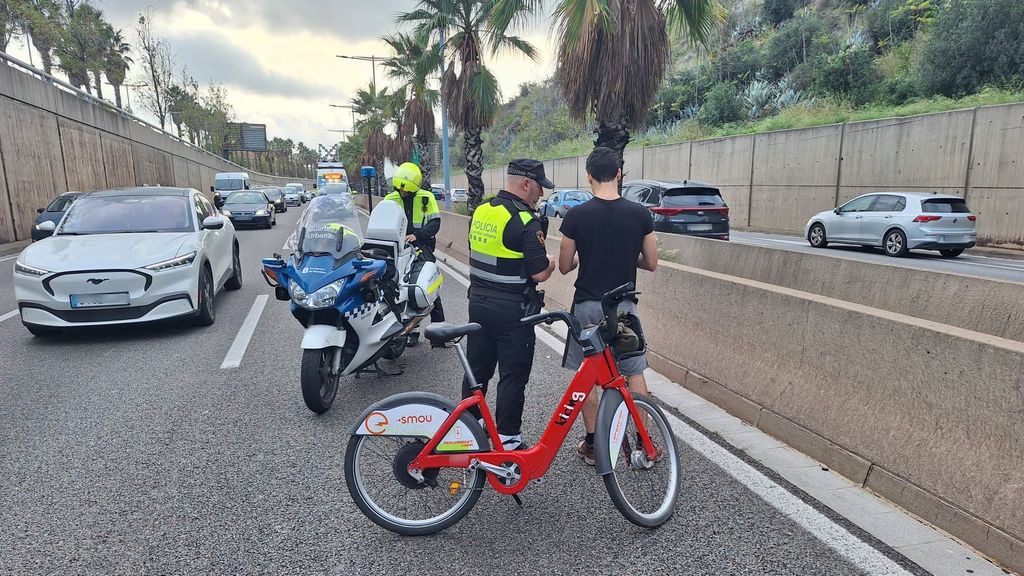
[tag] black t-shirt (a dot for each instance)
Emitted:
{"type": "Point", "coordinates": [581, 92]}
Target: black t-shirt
{"type": "Point", "coordinates": [526, 238]}
{"type": "Point", "coordinates": [609, 235]}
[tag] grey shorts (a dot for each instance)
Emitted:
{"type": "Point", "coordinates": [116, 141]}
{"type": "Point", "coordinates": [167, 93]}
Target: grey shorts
{"type": "Point", "coordinates": [589, 313]}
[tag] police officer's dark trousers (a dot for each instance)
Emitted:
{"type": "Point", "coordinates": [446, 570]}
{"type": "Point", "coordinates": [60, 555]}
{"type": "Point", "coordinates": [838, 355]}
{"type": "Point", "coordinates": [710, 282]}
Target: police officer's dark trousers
{"type": "Point", "coordinates": [504, 342]}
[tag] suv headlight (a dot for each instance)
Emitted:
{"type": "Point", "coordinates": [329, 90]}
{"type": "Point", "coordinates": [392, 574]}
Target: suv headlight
{"type": "Point", "coordinates": [322, 298]}
{"type": "Point", "coordinates": [185, 260]}
{"type": "Point", "coordinates": [262, 213]}
{"type": "Point", "coordinates": [24, 270]}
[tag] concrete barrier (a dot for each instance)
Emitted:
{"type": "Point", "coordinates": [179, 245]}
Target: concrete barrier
{"type": "Point", "coordinates": [777, 180]}
{"type": "Point", "coordinates": [925, 413]}
{"type": "Point", "coordinates": [53, 140]}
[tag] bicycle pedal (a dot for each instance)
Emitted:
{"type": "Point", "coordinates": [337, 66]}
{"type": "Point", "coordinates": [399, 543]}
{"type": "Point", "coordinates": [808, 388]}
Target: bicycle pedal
{"type": "Point", "coordinates": [518, 500]}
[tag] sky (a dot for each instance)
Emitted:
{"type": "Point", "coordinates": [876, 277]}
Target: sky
{"type": "Point", "coordinates": [277, 58]}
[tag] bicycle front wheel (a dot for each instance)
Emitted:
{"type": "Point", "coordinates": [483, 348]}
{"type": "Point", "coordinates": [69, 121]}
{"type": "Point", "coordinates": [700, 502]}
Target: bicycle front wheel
{"type": "Point", "coordinates": [644, 491]}
{"type": "Point", "coordinates": [379, 482]}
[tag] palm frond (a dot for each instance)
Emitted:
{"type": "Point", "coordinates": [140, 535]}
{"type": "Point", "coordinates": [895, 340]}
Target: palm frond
{"type": "Point", "coordinates": [513, 44]}
{"type": "Point", "coordinates": [696, 18]}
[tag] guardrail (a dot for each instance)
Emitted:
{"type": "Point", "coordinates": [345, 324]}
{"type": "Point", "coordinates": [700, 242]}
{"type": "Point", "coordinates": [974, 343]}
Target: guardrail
{"type": "Point", "coordinates": [26, 68]}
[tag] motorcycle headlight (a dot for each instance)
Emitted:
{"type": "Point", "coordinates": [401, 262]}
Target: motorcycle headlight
{"type": "Point", "coordinates": [185, 260]}
{"type": "Point", "coordinates": [262, 213]}
{"type": "Point", "coordinates": [24, 270]}
{"type": "Point", "coordinates": [322, 298]}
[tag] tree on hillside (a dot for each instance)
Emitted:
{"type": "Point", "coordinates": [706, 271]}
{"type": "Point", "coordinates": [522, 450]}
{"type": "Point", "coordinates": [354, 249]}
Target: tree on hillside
{"type": "Point", "coordinates": [116, 62]}
{"type": "Point", "coordinates": [414, 63]}
{"type": "Point", "coordinates": [612, 54]}
{"type": "Point", "coordinates": [79, 43]}
{"type": "Point", "coordinates": [218, 112]}
{"type": "Point", "coordinates": [469, 90]}
{"type": "Point", "coordinates": [42, 19]}
{"type": "Point", "coordinates": [157, 67]}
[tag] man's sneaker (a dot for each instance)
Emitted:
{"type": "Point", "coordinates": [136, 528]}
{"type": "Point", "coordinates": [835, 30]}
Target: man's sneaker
{"type": "Point", "coordinates": [586, 451]}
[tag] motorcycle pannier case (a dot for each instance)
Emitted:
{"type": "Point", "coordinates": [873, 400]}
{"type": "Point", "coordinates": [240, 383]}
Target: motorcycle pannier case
{"type": "Point", "coordinates": [424, 284]}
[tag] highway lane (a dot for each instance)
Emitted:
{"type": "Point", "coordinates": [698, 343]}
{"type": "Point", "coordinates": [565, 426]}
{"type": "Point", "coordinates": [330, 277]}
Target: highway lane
{"type": "Point", "coordinates": [970, 262]}
{"type": "Point", "coordinates": [132, 451]}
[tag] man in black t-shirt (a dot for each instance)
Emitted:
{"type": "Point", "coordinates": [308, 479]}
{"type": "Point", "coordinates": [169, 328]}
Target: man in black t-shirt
{"type": "Point", "coordinates": [608, 237]}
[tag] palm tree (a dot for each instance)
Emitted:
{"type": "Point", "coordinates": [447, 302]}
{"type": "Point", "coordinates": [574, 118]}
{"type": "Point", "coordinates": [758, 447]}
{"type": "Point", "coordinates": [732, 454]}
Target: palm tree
{"type": "Point", "coordinates": [42, 18]}
{"type": "Point", "coordinates": [414, 63]}
{"type": "Point", "coordinates": [99, 43]}
{"type": "Point", "coordinates": [469, 90]}
{"type": "Point", "coordinates": [372, 105]}
{"type": "Point", "coordinates": [116, 63]}
{"type": "Point", "coordinates": [612, 54]}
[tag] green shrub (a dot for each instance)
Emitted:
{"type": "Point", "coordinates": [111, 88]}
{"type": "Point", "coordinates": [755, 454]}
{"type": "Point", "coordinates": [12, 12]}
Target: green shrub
{"type": "Point", "coordinates": [778, 11]}
{"type": "Point", "coordinates": [851, 74]}
{"type": "Point", "coordinates": [799, 40]}
{"type": "Point", "coordinates": [742, 61]}
{"type": "Point", "coordinates": [973, 43]}
{"type": "Point", "coordinates": [889, 23]}
{"type": "Point", "coordinates": [721, 106]}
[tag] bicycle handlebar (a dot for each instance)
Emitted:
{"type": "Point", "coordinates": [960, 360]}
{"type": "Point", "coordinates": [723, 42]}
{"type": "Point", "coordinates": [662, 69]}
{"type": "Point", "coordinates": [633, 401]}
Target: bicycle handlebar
{"type": "Point", "coordinates": [609, 305]}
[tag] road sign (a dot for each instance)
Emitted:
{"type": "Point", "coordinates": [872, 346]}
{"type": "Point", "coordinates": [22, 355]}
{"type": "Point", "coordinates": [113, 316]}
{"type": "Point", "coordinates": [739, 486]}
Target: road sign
{"type": "Point", "coordinates": [245, 137]}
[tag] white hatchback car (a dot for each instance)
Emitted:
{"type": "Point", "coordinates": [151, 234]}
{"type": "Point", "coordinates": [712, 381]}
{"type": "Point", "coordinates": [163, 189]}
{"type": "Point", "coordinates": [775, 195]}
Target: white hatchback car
{"type": "Point", "coordinates": [898, 222]}
{"type": "Point", "coordinates": [129, 255]}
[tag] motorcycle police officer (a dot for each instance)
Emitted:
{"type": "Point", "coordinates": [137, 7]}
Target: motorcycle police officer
{"type": "Point", "coordinates": [424, 221]}
{"type": "Point", "coordinates": [508, 258]}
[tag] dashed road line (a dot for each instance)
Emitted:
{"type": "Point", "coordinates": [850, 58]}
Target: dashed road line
{"type": "Point", "coordinates": [233, 359]}
{"type": "Point", "coordinates": [9, 315]}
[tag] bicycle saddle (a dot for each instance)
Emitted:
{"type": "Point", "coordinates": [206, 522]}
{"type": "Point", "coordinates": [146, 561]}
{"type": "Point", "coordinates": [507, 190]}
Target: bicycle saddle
{"type": "Point", "coordinates": [441, 333]}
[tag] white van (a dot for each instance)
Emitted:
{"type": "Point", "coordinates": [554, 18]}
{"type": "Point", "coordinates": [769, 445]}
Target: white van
{"type": "Point", "coordinates": [224, 183]}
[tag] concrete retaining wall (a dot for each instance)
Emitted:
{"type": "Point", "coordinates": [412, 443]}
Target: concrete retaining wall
{"type": "Point", "coordinates": [777, 180]}
{"type": "Point", "coordinates": [925, 413]}
{"type": "Point", "coordinates": [52, 141]}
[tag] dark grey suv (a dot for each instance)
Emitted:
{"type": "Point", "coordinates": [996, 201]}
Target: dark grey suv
{"type": "Point", "coordinates": [687, 207]}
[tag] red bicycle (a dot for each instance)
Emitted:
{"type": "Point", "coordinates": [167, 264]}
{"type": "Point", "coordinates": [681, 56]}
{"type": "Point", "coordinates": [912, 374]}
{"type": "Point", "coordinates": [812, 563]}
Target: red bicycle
{"type": "Point", "coordinates": [416, 462]}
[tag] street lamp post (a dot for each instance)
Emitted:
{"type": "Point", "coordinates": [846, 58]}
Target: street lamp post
{"type": "Point", "coordinates": [372, 59]}
{"type": "Point", "coordinates": [350, 107]}
{"type": "Point", "coordinates": [127, 92]}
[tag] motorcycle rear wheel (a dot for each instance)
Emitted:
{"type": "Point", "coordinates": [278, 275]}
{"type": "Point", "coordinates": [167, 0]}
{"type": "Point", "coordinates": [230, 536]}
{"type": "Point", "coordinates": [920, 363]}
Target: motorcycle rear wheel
{"type": "Point", "coordinates": [318, 387]}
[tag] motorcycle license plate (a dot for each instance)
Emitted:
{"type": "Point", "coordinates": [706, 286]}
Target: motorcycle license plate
{"type": "Point", "coordinates": [99, 300]}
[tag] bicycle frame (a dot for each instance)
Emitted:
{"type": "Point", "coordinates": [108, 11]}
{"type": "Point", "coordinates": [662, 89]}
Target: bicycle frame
{"type": "Point", "coordinates": [596, 370]}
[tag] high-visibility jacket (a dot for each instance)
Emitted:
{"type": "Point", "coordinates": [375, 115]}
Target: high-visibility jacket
{"type": "Point", "coordinates": [490, 260]}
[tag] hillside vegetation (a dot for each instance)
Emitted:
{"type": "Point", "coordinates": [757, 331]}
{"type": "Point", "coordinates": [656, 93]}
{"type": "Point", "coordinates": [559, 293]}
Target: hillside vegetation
{"type": "Point", "coordinates": [778, 64]}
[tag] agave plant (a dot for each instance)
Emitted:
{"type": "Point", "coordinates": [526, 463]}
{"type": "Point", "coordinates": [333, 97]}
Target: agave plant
{"type": "Point", "coordinates": [759, 98]}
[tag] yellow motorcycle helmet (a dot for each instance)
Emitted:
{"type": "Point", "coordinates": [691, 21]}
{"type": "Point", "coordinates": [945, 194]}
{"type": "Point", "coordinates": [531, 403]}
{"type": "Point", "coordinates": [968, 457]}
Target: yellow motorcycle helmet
{"type": "Point", "coordinates": [407, 178]}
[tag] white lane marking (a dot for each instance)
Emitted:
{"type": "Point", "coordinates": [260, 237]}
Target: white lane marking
{"type": "Point", "coordinates": [6, 258]}
{"type": "Point", "coordinates": [233, 359]}
{"type": "Point", "coordinates": [9, 315]}
{"type": "Point", "coordinates": [868, 559]}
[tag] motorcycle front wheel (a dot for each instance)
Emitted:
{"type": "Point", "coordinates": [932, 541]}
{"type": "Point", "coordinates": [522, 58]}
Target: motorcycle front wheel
{"type": "Point", "coordinates": [319, 387]}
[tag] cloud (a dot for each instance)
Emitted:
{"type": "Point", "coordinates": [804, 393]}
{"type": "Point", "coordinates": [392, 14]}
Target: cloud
{"type": "Point", "coordinates": [210, 59]}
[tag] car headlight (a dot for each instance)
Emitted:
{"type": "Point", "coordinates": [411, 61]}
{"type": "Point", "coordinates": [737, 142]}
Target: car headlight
{"type": "Point", "coordinates": [225, 212]}
{"type": "Point", "coordinates": [322, 298]}
{"type": "Point", "coordinates": [24, 270]}
{"type": "Point", "coordinates": [262, 213]}
{"type": "Point", "coordinates": [185, 260]}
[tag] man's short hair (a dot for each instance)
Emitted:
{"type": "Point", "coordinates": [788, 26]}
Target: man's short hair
{"type": "Point", "coordinates": [603, 164]}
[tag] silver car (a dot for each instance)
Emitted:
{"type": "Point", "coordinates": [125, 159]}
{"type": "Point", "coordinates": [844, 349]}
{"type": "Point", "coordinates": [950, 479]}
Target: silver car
{"type": "Point", "coordinates": [898, 222]}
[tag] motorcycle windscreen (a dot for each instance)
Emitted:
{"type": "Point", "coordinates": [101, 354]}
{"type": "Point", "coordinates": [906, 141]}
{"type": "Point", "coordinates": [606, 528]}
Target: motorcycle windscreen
{"type": "Point", "coordinates": [326, 220]}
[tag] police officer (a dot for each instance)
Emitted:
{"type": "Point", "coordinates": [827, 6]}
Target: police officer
{"type": "Point", "coordinates": [508, 258]}
{"type": "Point", "coordinates": [424, 221]}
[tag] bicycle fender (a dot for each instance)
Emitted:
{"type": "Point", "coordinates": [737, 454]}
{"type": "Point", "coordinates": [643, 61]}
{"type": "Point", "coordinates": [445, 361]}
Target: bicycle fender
{"type": "Point", "coordinates": [612, 418]}
{"type": "Point", "coordinates": [421, 414]}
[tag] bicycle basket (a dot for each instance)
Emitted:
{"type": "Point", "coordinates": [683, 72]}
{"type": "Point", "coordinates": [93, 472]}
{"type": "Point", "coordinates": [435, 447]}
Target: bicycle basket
{"type": "Point", "coordinates": [629, 338]}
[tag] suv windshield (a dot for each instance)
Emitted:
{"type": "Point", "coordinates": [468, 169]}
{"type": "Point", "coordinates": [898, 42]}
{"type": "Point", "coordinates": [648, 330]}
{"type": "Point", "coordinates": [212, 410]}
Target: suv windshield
{"type": "Point", "coordinates": [685, 197]}
{"type": "Point", "coordinates": [233, 184]}
{"type": "Point", "coordinates": [944, 206]}
{"type": "Point", "coordinates": [246, 198]}
{"type": "Point", "coordinates": [272, 193]}
{"type": "Point", "coordinates": [124, 214]}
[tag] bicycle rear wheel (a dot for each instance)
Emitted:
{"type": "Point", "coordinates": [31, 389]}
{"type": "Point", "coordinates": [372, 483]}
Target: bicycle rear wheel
{"type": "Point", "coordinates": [645, 492]}
{"type": "Point", "coordinates": [378, 480]}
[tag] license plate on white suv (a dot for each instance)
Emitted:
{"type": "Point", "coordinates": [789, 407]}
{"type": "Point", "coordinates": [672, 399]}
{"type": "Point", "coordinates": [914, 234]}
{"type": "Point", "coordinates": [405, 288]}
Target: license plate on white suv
{"type": "Point", "coordinates": [100, 300]}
